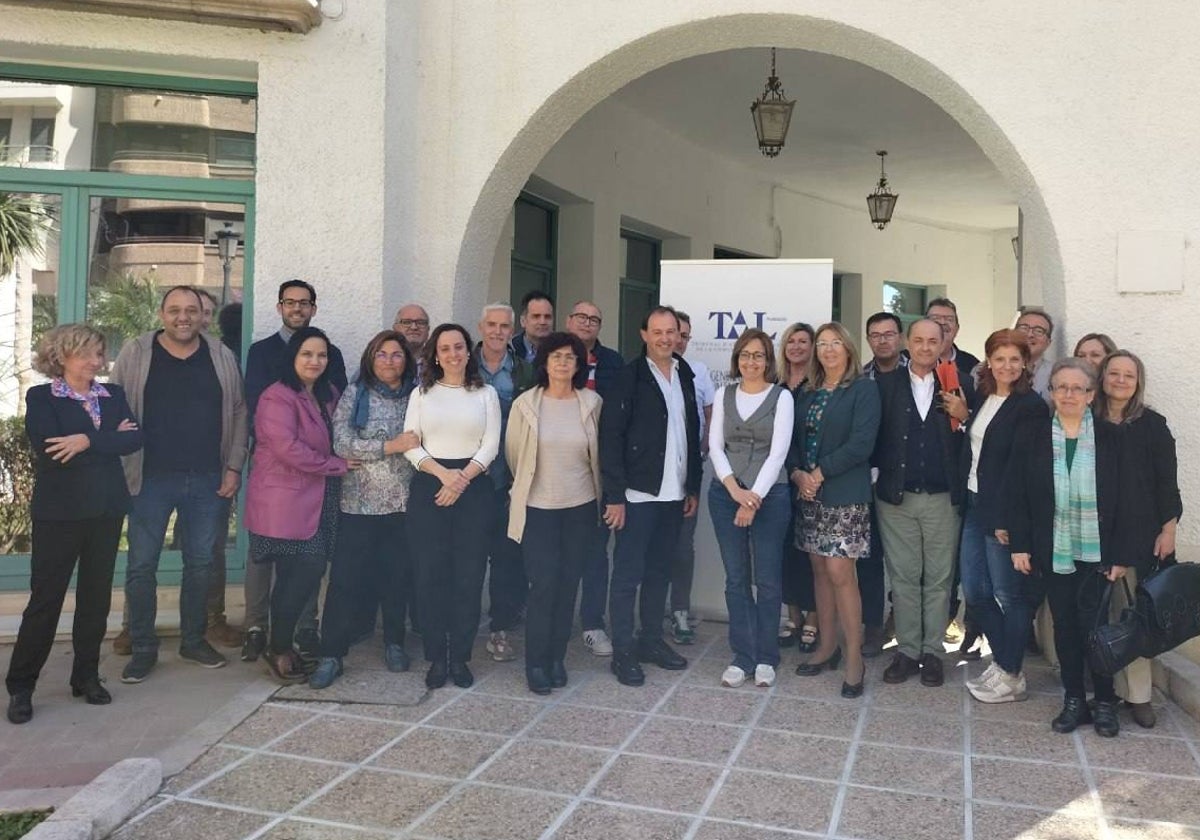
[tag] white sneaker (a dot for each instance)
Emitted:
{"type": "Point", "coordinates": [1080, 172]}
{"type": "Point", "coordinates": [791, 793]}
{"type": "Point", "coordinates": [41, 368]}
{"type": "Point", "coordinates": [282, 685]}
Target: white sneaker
{"type": "Point", "coordinates": [764, 676]}
{"type": "Point", "coordinates": [597, 642]}
{"type": "Point", "coordinates": [984, 678]}
{"type": "Point", "coordinates": [733, 677]}
{"type": "Point", "coordinates": [1004, 688]}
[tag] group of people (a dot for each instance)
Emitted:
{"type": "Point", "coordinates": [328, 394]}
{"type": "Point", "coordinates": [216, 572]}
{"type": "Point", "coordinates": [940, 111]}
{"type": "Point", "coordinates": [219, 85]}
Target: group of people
{"type": "Point", "coordinates": [529, 452]}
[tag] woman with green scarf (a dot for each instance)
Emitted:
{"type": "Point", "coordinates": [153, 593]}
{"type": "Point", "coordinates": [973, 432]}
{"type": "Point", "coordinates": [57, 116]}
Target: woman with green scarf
{"type": "Point", "coordinates": [1066, 497]}
{"type": "Point", "coordinates": [371, 547]}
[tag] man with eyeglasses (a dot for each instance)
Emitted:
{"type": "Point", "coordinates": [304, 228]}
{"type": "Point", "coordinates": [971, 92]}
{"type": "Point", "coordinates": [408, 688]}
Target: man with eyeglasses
{"type": "Point", "coordinates": [917, 497]}
{"type": "Point", "coordinates": [511, 376]}
{"type": "Point", "coordinates": [1038, 328]}
{"type": "Point", "coordinates": [603, 366]}
{"type": "Point", "coordinates": [296, 305]}
{"type": "Point", "coordinates": [943, 312]}
{"type": "Point", "coordinates": [885, 337]}
{"type": "Point", "coordinates": [412, 322]}
{"type": "Point", "coordinates": [537, 322]}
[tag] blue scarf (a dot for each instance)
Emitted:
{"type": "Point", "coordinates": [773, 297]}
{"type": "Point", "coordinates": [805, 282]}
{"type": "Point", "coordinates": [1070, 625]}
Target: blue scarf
{"type": "Point", "coordinates": [362, 398]}
{"type": "Point", "coordinates": [1076, 516]}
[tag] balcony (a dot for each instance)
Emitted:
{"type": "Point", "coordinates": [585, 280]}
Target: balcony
{"type": "Point", "coordinates": [160, 109]}
{"type": "Point", "coordinates": [287, 15]}
{"type": "Point", "coordinates": [176, 164]}
{"type": "Point", "coordinates": [29, 157]}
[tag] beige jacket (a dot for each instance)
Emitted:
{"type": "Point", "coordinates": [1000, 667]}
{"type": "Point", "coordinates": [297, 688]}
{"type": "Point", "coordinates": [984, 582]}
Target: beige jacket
{"type": "Point", "coordinates": [520, 448]}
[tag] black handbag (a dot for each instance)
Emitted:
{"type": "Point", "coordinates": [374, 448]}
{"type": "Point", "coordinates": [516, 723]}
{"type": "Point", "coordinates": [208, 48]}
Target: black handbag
{"type": "Point", "coordinates": [1113, 645]}
{"type": "Point", "coordinates": [1169, 600]}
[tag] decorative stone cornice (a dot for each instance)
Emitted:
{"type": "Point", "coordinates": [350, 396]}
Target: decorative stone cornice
{"type": "Point", "coordinates": [288, 15]}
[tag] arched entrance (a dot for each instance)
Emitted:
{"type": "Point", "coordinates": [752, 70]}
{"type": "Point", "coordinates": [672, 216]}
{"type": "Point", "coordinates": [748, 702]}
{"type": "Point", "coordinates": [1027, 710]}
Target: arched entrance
{"type": "Point", "coordinates": [586, 89]}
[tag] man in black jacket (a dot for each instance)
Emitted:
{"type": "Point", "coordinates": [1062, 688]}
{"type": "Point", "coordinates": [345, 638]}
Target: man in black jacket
{"type": "Point", "coordinates": [917, 501]}
{"type": "Point", "coordinates": [650, 463]}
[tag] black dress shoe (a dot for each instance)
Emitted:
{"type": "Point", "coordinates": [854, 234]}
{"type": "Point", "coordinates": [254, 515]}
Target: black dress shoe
{"type": "Point", "coordinates": [811, 669]}
{"type": "Point", "coordinates": [558, 674]}
{"type": "Point", "coordinates": [1105, 720]}
{"type": "Point", "coordinates": [627, 669]}
{"type": "Point", "coordinates": [435, 677]}
{"type": "Point", "coordinates": [849, 691]}
{"type": "Point", "coordinates": [1073, 715]}
{"type": "Point", "coordinates": [93, 693]}
{"type": "Point", "coordinates": [539, 683]}
{"type": "Point", "coordinates": [20, 707]}
{"type": "Point", "coordinates": [661, 654]}
{"type": "Point", "coordinates": [931, 670]}
{"type": "Point", "coordinates": [902, 667]}
{"type": "Point", "coordinates": [254, 645]}
{"type": "Point", "coordinates": [461, 675]}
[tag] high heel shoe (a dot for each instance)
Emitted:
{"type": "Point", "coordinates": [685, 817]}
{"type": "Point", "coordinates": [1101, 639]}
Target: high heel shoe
{"type": "Point", "coordinates": [811, 669]}
{"type": "Point", "coordinates": [850, 692]}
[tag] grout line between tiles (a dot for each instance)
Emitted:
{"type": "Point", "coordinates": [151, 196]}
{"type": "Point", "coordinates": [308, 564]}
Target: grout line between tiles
{"type": "Point", "coordinates": [968, 778]}
{"type": "Point", "coordinates": [1090, 779]}
{"type": "Point", "coordinates": [839, 799]}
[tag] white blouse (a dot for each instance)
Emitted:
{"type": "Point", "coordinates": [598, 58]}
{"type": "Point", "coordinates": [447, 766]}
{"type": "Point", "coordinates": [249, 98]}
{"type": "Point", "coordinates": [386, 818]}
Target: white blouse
{"type": "Point", "coordinates": [454, 423]}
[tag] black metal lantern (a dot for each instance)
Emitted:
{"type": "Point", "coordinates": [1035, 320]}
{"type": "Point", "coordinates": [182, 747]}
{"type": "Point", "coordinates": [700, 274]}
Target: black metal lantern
{"type": "Point", "coordinates": [881, 202]}
{"type": "Point", "coordinates": [772, 114]}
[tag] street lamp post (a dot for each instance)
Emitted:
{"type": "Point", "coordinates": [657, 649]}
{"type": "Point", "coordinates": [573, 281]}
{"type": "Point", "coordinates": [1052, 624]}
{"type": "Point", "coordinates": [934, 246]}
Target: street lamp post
{"type": "Point", "coordinates": [227, 242]}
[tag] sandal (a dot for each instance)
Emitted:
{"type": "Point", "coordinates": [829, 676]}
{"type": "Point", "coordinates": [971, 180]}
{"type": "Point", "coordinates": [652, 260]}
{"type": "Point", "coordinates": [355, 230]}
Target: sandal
{"type": "Point", "coordinates": [787, 635]}
{"type": "Point", "coordinates": [809, 638]}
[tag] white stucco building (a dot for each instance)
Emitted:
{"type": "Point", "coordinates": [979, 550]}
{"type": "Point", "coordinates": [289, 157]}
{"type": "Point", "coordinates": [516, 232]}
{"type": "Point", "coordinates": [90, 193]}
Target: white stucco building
{"type": "Point", "coordinates": [393, 139]}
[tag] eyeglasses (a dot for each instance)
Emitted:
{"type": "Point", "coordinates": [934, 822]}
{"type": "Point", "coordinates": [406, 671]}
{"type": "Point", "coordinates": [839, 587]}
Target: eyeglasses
{"type": "Point", "coordinates": [1029, 329]}
{"type": "Point", "coordinates": [291, 303]}
{"type": "Point", "coordinates": [830, 345]}
{"type": "Point", "coordinates": [882, 336]}
{"type": "Point", "coordinates": [584, 318]}
{"type": "Point", "coordinates": [412, 322]}
{"type": "Point", "coordinates": [382, 356]}
{"type": "Point", "coordinates": [943, 319]}
{"type": "Point", "coordinates": [1070, 390]}
{"type": "Point", "coordinates": [747, 356]}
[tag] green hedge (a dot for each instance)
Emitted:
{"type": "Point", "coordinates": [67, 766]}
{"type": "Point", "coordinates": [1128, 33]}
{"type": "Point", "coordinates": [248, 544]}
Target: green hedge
{"type": "Point", "coordinates": [16, 486]}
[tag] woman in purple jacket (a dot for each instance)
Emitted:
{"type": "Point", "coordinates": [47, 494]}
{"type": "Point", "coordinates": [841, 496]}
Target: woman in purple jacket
{"type": "Point", "coordinates": [292, 495]}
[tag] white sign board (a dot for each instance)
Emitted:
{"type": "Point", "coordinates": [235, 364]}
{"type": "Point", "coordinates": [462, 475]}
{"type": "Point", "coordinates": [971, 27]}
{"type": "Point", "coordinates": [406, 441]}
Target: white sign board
{"type": "Point", "coordinates": [724, 297]}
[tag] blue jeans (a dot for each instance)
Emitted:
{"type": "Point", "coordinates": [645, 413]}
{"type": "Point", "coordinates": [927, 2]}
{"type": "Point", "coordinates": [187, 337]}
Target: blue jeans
{"type": "Point", "coordinates": [642, 561]}
{"type": "Point", "coordinates": [993, 590]}
{"type": "Point", "coordinates": [593, 594]}
{"type": "Point", "coordinates": [194, 497]}
{"type": "Point", "coordinates": [752, 555]}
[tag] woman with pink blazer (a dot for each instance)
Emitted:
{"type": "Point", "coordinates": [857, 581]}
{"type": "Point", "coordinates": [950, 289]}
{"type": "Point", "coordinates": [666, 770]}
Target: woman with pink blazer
{"type": "Point", "coordinates": [292, 495]}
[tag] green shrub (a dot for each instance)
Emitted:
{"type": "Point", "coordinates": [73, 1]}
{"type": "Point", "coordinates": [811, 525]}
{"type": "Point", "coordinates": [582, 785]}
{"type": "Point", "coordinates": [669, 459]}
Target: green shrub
{"type": "Point", "coordinates": [16, 486]}
{"type": "Point", "coordinates": [14, 824]}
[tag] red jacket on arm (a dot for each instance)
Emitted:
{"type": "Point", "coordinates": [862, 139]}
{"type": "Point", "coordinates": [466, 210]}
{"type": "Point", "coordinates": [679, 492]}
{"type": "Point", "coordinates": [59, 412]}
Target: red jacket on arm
{"type": "Point", "coordinates": [292, 457]}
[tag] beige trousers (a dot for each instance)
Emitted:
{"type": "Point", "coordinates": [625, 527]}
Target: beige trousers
{"type": "Point", "coordinates": [1135, 683]}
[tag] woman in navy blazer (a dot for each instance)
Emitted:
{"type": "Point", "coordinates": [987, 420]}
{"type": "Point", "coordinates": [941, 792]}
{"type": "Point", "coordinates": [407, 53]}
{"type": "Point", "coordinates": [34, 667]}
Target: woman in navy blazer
{"type": "Point", "coordinates": [78, 429]}
{"type": "Point", "coordinates": [994, 590]}
{"type": "Point", "coordinates": [292, 495]}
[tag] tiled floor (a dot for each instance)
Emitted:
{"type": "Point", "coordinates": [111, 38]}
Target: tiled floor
{"type": "Point", "coordinates": [683, 758]}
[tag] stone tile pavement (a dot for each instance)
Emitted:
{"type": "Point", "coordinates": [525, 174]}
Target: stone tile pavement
{"type": "Point", "coordinates": [683, 758]}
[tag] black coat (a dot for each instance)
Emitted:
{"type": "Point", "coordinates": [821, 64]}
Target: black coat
{"type": "Point", "coordinates": [91, 484]}
{"type": "Point", "coordinates": [264, 366]}
{"type": "Point", "coordinates": [996, 454]}
{"type": "Point", "coordinates": [1029, 513]}
{"type": "Point", "coordinates": [891, 446]}
{"type": "Point", "coordinates": [608, 365]}
{"type": "Point", "coordinates": [633, 432]}
{"type": "Point", "coordinates": [1150, 473]}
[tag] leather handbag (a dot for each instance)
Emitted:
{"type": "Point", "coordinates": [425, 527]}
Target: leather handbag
{"type": "Point", "coordinates": [1111, 646]}
{"type": "Point", "coordinates": [1169, 600]}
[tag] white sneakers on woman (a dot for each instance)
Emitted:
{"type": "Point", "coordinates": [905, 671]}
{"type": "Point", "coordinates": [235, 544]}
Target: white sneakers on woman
{"type": "Point", "coordinates": [733, 677]}
{"type": "Point", "coordinates": [764, 676]}
{"type": "Point", "coordinates": [996, 685]}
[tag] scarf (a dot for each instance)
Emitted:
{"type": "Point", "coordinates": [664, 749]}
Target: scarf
{"type": "Point", "coordinates": [90, 400]}
{"type": "Point", "coordinates": [1076, 520]}
{"type": "Point", "coordinates": [362, 398]}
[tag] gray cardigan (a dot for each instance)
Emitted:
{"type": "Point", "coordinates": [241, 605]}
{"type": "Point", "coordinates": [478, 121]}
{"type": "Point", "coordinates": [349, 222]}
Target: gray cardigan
{"type": "Point", "coordinates": [846, 439]}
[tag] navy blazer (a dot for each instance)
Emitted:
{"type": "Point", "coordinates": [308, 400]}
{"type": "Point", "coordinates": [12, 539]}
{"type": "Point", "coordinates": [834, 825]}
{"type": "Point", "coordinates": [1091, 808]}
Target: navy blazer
{"type": "Point", "coordinates": [92, 484]}
{"type": "Point", "coordinates": [845, 441]}
{"type": "Point", "coordinates": [264, 366]}
{"type": "Point", "coordinates": [996, 454]}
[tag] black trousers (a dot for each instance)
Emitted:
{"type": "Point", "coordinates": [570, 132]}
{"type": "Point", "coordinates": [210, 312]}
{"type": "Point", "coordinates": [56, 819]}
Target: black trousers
{"type": "Point", "coordinates": [370, 566]}
{"type": "Point", "coordinates": [297, 579]}
{"type": "Point", "coordinates": [554, 546]}
{"type": "Point", "coordinates": [641, 571]}
{"type": "Point", "coordinates": [507, 586]}
{"type": "Point", "coordinates": [1075, 603]}
{"type": "Point", "coordinates": [798, 587]}
{"type": "Point", "coordinates": [450, 546]}
{"type": "Point", "coordinates": [57, 547]}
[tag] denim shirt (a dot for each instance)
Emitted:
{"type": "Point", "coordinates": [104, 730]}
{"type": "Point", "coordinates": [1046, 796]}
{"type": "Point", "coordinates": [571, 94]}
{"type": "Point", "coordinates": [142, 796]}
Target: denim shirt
{"type": "Point", "coordinates": [502, 381]}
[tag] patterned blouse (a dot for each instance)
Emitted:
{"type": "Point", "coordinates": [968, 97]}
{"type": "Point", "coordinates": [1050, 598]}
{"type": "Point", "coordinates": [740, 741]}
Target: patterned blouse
{"type": "Point", "coordinates": [812, 428]}
{"type": "Point", "coordinates": [380, 485]}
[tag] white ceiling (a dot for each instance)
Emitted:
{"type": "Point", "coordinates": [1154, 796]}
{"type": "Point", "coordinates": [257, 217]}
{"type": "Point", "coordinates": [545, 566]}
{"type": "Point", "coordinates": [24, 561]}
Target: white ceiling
{"type": "Point", "coordinates": [844, 112]}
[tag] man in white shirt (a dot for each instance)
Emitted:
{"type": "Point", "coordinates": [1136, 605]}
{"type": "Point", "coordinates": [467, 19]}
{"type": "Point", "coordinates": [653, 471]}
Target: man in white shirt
{"type": "Point", "coordinates": [650, 464]}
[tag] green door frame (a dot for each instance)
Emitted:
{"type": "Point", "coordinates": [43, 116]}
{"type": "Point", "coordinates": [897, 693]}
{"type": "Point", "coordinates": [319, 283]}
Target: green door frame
{"type": "Point", "coordinates": [75, 190]}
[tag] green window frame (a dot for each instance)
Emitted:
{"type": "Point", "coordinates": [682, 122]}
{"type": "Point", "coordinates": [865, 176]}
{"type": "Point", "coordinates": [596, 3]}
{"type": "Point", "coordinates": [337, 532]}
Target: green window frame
{"type": "Point", "coordinates": [75, 190]}
{"type": "Point", "coordinates": [532, 270]}
{"type": "Point", "coordinates": [639, 293]}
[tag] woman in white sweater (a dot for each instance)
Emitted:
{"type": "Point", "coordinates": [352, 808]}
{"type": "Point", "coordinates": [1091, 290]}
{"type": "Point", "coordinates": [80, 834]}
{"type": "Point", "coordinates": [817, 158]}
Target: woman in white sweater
{"type": "Point", "coordinates": [450, 507]}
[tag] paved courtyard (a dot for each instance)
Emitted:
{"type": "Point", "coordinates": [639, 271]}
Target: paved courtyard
{"type": "Point", "coordinates": [683, 758]}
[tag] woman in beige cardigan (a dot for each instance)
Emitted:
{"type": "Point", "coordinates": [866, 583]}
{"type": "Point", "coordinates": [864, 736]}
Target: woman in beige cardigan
{"type": "Point", "coordinates": [553, 453]}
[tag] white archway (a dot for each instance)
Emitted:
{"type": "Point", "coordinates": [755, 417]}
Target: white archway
{"type": "Point", "coordinates": [586, 89]}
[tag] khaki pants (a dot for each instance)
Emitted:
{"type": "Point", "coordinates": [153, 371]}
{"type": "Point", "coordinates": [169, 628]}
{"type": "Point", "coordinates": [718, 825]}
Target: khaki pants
{"type": "Point", "coordinates": [1135, 683]}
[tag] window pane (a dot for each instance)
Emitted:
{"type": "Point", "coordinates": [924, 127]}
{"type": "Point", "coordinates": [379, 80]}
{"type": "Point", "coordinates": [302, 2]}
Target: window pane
{"type": "Point", "coordinates": [138, 132]}
{"type": "Point", "coordinates": [904, 299]}
{"type": "Point", "coordinates": [28, 308]}
{"type": "Point", "coordinates": [140, 247]}
{"type": "Point", "coordinates": [525, 279]}
{"type": "Point", "coordinates": [635, 303]}
{"type": "Point", "coordinates": [533, 227]}
{"type": "Point", "coordinates": [641, 259]}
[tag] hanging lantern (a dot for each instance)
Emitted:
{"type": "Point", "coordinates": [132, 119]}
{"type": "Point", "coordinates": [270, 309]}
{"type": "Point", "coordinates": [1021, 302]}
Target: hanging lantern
{"type": "Point", "coordinates": [882, 201]}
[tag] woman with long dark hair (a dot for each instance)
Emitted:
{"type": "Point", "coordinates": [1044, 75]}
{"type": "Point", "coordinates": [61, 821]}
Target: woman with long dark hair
{"type": "Point", "coordinates": [371, 561]}
{"type": "Point", "coordinates": [457, 419]}
{"type": "Point", "coordinates": [292, 494]}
